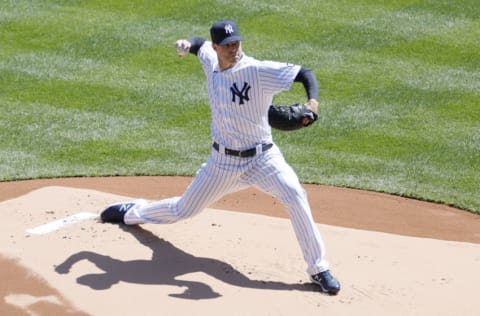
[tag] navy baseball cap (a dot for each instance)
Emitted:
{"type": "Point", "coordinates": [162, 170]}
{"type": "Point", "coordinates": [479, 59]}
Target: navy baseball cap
{"type": "Point", "coordinates": [224, 32]}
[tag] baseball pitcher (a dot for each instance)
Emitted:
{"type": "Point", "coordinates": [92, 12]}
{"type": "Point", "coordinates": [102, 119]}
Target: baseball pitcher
{"type": "Point", "coordinates": [243, 153]}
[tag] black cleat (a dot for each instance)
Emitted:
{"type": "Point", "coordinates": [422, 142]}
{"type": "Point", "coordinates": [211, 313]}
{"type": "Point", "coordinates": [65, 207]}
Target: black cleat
{"type": "Point", "coordinates": [327, 282]}
{"type": "Point", "coordinates": [115, 213]}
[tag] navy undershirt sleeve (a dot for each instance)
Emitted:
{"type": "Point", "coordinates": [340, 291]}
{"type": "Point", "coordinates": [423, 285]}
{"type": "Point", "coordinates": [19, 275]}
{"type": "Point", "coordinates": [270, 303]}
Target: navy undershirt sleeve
{"type": "Point", "coordinates": [309, 81]}
{"type": "Point", "coordinates": [196, 43]}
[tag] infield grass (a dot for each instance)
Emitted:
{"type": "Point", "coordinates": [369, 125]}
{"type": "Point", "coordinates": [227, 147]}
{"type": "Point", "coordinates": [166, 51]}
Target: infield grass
{"type": "Point", "coordinates": [94, 88]}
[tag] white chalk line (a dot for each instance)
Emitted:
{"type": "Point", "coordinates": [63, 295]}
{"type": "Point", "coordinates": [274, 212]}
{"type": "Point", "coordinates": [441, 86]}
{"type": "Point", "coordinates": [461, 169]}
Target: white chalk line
{"type": "Point", "coordinates": [61, 223]}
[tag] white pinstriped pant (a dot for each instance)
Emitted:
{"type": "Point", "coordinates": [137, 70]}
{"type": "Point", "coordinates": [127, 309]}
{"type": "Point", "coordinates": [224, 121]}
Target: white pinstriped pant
{"type": "Point", "coordinates": [224, 174]}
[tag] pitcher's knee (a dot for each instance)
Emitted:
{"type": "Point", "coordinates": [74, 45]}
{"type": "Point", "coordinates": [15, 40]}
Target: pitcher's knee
{"type": "Point", "coordinates": [182, 212]}
{"type": "Point", "coordinates": [294, 196]}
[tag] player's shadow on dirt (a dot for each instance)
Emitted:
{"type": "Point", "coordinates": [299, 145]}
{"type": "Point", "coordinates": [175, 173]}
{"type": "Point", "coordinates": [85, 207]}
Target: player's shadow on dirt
{"type": "Point", "coordinates": [167, 265]}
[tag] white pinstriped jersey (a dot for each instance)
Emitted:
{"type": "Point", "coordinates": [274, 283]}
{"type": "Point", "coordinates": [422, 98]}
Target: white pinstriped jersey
{"type": "Point", "coordinates": [240, 97]}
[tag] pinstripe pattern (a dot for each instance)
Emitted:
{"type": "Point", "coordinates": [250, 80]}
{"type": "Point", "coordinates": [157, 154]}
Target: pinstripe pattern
{"type": "Point", "coordinates": [239, 101]}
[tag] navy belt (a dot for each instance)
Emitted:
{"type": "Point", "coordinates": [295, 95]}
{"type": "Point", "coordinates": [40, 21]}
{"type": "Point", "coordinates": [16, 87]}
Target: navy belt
{"type": "Point", "coordinates": [243, 153]}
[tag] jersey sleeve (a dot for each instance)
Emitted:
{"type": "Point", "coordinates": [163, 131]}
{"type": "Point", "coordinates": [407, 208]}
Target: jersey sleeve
{"type": "Point", "coordinates": [207, 56]}
{"type": "Point", "coordinates": [277, 76]}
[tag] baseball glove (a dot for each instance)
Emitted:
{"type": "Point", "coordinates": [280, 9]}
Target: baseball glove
{"type": "Point", "coordinates": [289, 118]}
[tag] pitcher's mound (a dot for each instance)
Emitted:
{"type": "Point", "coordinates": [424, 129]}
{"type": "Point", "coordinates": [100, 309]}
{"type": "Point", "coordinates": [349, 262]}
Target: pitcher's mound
{"type": "Point", "coordinates": [218, 263]}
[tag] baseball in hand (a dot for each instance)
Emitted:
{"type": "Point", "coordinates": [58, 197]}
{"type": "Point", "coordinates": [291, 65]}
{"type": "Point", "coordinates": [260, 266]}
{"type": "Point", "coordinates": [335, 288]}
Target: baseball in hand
{"type": "Point", "coordinates": [182, 48]}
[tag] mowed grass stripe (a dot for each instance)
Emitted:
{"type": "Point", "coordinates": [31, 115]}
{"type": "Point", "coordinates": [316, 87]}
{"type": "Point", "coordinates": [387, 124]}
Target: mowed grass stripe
{"type": "Point", "coordinates": [95, 88]}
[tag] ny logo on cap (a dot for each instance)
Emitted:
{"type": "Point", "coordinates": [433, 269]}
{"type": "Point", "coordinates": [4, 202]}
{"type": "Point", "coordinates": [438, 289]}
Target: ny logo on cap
{"type": "Point", "coordinates": [229, 29]}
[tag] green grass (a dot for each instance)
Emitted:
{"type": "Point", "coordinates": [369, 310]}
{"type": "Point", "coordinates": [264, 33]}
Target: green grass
{"type": "Point", "coordinates": [94, 88]}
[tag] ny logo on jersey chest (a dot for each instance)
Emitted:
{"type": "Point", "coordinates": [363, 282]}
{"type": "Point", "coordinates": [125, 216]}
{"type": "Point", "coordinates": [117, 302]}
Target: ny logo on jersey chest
{"type": "Point", "coordinates": [241, 94]}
